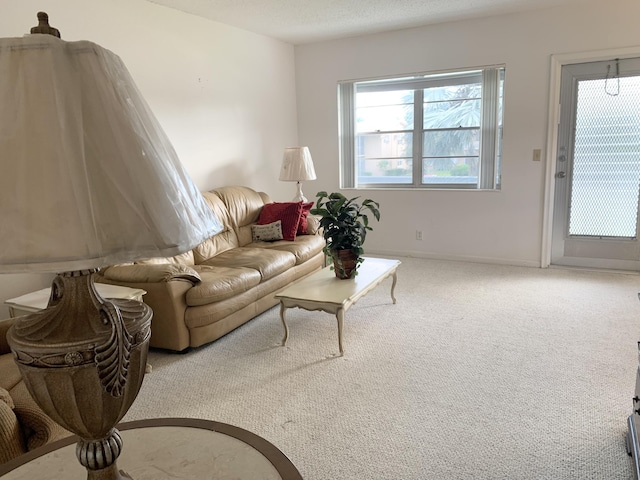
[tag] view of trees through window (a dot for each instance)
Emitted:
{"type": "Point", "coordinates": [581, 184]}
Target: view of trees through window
{"type": "Point", "coordinates": [451, 138]}
{"type": "Point", "coordinates": [451, 127]}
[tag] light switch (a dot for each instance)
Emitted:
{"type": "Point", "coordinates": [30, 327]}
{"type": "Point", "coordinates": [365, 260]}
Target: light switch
{"type": "Point", "coordinates": [537, 153]}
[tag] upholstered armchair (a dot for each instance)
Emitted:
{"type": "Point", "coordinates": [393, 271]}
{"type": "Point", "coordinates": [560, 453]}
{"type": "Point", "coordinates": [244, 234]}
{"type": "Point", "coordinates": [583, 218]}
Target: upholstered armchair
{"type": "Point", "coordinates": [23, 425]}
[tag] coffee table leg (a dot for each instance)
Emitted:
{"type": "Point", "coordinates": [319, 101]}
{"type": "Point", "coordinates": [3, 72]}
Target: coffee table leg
{"type": "Point", "coordinates": [284, 323]}
{"type": "Point", "coordinates": [340, 317]}
{"type": "Point", "coordinates": [393, 287]}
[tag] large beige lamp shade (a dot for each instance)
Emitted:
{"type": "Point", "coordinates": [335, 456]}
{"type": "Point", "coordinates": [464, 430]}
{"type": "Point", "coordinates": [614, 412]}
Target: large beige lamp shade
{"type": "Point", "coordinates": [297, 166]}
{"type": "Point", "coordinates": [89, 179]}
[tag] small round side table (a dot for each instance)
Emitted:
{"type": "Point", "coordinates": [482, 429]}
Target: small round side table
{"type": "Point", "coordinates": [167, 448]}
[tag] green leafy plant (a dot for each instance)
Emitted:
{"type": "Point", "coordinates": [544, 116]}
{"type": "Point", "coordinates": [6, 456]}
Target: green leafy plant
{"type": "Point", "coordinates": [345, 223]}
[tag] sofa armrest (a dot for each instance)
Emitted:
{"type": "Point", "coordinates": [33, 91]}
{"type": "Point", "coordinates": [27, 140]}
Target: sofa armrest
{"type": "Point", "coordinates": [37, 427]}
{"type": "Point", "coordinates": [167, 299]}
{"type": "Point", "coordinates": [164, 272]}
{"type": "Point", "coordinates": [313, 225]}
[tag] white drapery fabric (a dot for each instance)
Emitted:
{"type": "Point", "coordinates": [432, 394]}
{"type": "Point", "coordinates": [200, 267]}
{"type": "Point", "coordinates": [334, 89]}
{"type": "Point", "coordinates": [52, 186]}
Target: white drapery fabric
{"type": "Point", "coordinates": [88, 178]}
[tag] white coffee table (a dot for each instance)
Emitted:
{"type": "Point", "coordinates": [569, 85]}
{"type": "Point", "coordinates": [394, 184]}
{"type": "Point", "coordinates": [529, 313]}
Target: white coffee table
{"type": "Point", "coordinates": [36, 301]}
{"type": "Point", "coordinates": [323, 291]}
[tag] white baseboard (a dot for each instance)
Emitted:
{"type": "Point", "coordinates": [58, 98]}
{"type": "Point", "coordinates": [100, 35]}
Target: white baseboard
{"type": "Point", "coordinates": [456, 258]}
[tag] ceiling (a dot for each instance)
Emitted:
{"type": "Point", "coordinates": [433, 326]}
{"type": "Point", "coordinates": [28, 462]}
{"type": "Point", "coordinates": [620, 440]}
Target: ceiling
{"type": "Point", "coordinates": [306, 21]}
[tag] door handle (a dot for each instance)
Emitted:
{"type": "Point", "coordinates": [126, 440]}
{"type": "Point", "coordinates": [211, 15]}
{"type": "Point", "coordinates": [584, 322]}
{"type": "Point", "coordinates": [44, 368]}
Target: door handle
{"type": "Point", "coordinates": [561, 175]}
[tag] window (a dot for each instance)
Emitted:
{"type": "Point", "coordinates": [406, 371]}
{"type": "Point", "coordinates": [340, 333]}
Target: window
{"type": "Point", "coordinates": [425, 131]}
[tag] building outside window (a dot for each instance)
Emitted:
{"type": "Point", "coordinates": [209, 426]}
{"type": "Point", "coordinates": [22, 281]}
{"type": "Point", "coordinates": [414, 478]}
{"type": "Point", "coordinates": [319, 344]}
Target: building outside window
{"type": "Point", "coordinates": [425, 131]}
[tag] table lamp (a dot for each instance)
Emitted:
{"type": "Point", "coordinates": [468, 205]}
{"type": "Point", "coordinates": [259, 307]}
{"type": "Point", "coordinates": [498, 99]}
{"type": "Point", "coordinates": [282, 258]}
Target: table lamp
{"type": "Point", "coordinates": [297, 166]}
{"type": "Point", "coordinates": [89, 179]}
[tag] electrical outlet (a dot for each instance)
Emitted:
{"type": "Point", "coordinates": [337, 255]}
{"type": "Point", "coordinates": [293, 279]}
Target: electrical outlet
{"type": "Point", "coordinates": [418, 234]}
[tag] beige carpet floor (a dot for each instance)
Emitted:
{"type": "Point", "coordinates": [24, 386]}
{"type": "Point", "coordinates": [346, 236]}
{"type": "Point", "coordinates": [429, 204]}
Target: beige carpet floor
{"type": "Point", "coordinates": [478, 372]}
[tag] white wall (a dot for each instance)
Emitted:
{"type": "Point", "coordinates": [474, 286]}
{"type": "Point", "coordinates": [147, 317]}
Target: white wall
{"type": "Point", "coordinates": [225, 96]}
{"type": "Point", "coordinates": [501, 227]}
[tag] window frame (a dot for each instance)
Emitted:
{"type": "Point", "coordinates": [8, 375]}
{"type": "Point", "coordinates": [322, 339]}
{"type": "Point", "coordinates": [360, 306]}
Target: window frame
{"type": "Point", "coordinates": [491, 79]}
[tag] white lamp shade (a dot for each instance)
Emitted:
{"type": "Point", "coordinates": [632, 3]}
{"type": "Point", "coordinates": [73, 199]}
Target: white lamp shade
{"type": "Point", "coordinates": [88, 177]}
{"type": "Point", "coordinates": [297, 165]}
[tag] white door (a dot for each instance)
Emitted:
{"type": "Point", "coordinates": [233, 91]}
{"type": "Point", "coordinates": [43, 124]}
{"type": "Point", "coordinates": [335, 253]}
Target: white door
{"type": "Point", "coordinates": [597, 178]}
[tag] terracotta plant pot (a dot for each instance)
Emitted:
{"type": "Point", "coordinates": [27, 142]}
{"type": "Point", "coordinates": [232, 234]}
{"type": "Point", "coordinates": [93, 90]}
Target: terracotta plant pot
{"type": "Point", "coordinates": [344, 263]}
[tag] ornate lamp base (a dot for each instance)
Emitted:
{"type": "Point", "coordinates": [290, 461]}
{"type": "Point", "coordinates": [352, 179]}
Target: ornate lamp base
{"type": "Point", "coordinates": [83, 360]}
{"type": "Point", "coordinates": [299, 195]}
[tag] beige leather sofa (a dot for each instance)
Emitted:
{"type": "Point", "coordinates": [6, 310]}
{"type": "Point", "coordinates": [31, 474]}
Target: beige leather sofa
{"type": "Point", "coordinates": [203, 294]}
{"type": "Point", "coordinates": [23, 425]}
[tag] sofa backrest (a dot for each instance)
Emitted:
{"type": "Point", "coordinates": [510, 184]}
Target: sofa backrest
{"type": "Point", "coordinates": [243, 206]}
{"type": "Point", "coordinates": [185, 258]}
{"type": "Point", "coordinates": [223, 241]}
{"type": "Point", "coordinates": [237, 208]}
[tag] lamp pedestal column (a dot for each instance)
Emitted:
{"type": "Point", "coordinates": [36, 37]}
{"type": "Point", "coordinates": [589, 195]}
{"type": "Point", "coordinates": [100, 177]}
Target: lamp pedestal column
{"type": "Point", "coordinates": [83, 360]}
{"type": "Point", "coordinates": [299, 196]}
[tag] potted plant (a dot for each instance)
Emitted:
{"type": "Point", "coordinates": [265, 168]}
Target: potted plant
{"type": "Point", "coordinates": [345, 224]}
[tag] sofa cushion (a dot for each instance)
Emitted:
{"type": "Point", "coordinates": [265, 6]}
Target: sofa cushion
{"type": "Point", "coordinates": [243, 204]}
{"type": "Point", "coordinates": [303, 248]}
{"type": "Point", "coordinates": [223, 241]}
{"type": "Point", "coordinates": [313, 224]}
{"type": "Point", "coordinates": [219, 209]}
{"type": "Point", "coordinates": [267, 262]}
{"type": "Point", "coordinates": [288, 212]}
{"type": "Point", "coordinates": [220, 283]}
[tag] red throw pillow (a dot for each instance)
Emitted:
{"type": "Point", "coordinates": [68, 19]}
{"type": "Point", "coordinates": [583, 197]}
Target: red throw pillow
{"type": "Point", "coordinates": [287, 212]}
{"type": "Point", "coordinates": [302, 226]}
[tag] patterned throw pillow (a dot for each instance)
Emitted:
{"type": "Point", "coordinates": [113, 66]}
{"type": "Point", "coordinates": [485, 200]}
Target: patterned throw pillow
{"type": "Point", "coordinates": [288, 212]}
{"type": "Point", "coordinates": [267, 233]}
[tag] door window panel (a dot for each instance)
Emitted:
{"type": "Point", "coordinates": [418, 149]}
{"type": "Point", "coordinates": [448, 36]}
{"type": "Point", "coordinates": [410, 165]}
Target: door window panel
{"type": "Point", "coordinates": [606, 165]}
